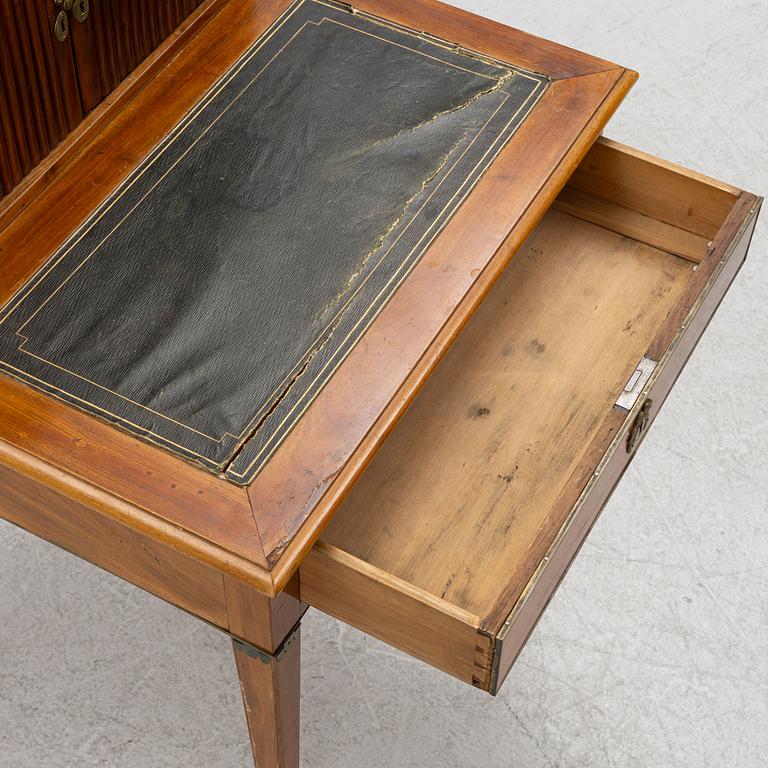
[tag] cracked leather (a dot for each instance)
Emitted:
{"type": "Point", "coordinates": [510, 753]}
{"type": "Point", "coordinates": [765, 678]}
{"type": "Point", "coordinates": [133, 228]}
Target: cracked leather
{"type": "Point", "coordinates": [208, 301]}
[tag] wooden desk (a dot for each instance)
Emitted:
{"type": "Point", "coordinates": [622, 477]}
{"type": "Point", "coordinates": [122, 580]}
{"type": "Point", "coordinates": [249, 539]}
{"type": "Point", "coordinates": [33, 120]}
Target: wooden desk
{"type": "Point", "coordinates": [426, 475]}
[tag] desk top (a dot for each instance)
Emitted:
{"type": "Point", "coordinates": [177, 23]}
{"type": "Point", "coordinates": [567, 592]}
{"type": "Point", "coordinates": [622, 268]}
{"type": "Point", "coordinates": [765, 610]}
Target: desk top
{"type": "Point", "coordinates": [275, 242]}
{"type": "Point", "coordinates": [208, 300]}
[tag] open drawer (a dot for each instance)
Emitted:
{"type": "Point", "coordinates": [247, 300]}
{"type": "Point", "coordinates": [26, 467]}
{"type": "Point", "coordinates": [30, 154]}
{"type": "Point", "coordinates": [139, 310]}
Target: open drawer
{"type": "Point", "coordinates": [455, 537]}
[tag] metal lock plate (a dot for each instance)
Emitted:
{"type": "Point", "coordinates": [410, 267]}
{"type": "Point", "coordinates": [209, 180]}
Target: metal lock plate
{"type": "Point", "coordinates": [636, 383]}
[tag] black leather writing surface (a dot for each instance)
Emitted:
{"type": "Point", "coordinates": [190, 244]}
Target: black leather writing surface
{"type": "Point", "coordinates": [208, 301]}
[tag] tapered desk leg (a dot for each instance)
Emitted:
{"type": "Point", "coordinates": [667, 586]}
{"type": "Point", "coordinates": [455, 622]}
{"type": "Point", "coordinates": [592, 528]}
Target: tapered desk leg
{"type": "Point", "coordinates": [271, 697]}
{"type": "Point", "coordinates": [268, 664]}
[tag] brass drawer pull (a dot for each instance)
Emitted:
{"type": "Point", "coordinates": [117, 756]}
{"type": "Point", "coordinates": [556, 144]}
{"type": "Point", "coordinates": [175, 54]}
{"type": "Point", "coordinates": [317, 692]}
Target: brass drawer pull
{"type": "Point", "coordinates": [61, 27]}
{"type": "Point", "coordinates": [80, 10]}
{"type": "Point", "coordinates": [640, 424]}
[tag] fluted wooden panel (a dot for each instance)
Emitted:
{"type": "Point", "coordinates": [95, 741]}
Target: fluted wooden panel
{"type": "Point", "coordinates": [39, 100]}
{"type": "Point", "coordinates": [117, 36]}
{"type": "Point", "coordinates": [47, 86]}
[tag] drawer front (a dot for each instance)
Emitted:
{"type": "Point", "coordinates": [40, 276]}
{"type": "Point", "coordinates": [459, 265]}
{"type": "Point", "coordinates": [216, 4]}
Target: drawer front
{"type": "Point", "coordinates": [633, 426]}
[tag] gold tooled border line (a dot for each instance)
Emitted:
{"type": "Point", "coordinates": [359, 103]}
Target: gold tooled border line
{"type": "Point", "coordinates": [205, 101]}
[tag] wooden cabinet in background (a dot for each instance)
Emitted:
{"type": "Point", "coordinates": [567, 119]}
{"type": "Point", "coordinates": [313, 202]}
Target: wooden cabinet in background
{"type": "Point", "coordinates": [47, 84]}
{"type": "Point", "coordinates": [39, 100]}
{"type": "Point", "coordinates": [119, 35]}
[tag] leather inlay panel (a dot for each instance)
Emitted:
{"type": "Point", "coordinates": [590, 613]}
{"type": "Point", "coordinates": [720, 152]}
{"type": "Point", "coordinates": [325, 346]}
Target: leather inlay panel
{"type": "Point", "coordinates": [207, 302]}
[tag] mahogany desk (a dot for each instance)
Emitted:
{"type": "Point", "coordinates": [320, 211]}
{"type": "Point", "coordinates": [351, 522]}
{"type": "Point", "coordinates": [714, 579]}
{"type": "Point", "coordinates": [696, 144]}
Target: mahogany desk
{"type": "Point", "coordinates": [264, 344]}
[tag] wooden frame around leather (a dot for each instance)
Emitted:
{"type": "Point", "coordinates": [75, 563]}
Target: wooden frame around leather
{"type": "Point", "coordinates": [260, 534]}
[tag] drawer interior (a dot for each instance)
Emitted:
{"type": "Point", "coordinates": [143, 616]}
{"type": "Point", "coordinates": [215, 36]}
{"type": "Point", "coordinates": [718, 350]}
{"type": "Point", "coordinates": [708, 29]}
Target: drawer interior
{"type": "Point", "coordinates": [460, 508]}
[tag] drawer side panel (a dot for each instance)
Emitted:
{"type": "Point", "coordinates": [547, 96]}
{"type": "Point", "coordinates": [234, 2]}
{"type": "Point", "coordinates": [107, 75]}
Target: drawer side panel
{"type": "Point", "coordinates": [391, 610]}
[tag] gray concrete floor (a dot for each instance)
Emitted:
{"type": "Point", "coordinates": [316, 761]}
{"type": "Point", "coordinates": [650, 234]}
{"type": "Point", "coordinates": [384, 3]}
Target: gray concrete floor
{"type": "Point", "coordinates": [655, 650]}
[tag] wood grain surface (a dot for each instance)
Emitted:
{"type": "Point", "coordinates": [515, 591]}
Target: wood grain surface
{"type": "Point", "coordinates": [137, 557]}
{"type": "Point", "coordinates": [39, 101]}
{"type": "Point", "coordinates": [395, 611]}
{"type": "Point", "coordinates": [262, 536]}
{"type": "Point", "coordinates": [655, 188]}
{"type": "Point", "coordinates": [271, 695]}
{"type": "Point", "coordinates": [730, 249]}
{"type": "Point", "coordinates": [504, 420]}
{"type": "Point", "coordinates": [117, 36]}
{"type": "Point", "coordinates": [83, 129]}
{"type": "Point", "coordinates": [524, 404]}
